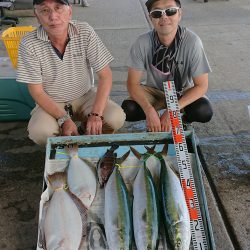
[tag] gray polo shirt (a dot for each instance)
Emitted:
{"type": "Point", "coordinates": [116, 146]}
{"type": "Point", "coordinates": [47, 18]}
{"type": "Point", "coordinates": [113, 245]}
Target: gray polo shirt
{"type": "Point", "coordinates": [67, 79]}
{"type": "Point", "coordinates": [191, 59]}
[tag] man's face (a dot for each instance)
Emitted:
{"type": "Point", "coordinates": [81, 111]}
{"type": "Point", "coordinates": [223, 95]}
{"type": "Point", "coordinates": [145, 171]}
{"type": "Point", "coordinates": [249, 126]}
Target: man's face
{"type": "Point", "coordinates": [165, 25]}
{"type": "Point", "coordinates": [54, 17]}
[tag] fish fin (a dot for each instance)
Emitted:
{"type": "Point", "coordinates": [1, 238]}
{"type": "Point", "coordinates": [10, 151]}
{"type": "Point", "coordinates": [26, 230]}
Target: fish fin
{"type": "Point", "coordinates": [122, 158]}
{"type": "Point", "coordinates": [41, 236]}
{"type": "Point", "coordinates": [165, 149]}
{"type": "Point", "coordinates": [136, 153]}
{"type": "Point", "coordinates": [170, 165]}
{"type": "Point", "coordinates": [180, 213]}
{"type": "Point", "coordinates": [57, 180]}
{"type": "Point", "coordinates": [83, 210]}
{"type": "Point", "coordinates": [150, 150]}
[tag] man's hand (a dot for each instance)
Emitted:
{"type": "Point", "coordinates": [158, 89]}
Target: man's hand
{"type": "Point", "coordinates": [94, 125]}
{"type": "Point", "coordinates": [153, 120]}
{"type": "Point", "coordinates": [165, 122]}
{"type": "Point", "coordinates": [69, 128]}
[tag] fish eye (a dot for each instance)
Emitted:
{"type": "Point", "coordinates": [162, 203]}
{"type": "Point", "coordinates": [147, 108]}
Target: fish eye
{"type": "Point", "coordinates": [178, 243]}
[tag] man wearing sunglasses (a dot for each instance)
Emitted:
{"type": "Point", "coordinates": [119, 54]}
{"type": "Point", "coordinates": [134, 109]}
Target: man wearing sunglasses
{"type": "Point", "coordinates": [168, 52]}
{"type": "Point", "coordinates": [56, 62]}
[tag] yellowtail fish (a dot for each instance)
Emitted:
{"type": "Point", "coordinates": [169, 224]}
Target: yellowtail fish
{"type": "Point", "coordinates": [81, 178]}
{"type": "Point", "coordinates": [118, 215]}
{"type": "Point", "coordinates": [145, 211]}
{"type": "Point", "coordinates": [175, 210]}
{"type": "Point", "coordinates": [65, 222]}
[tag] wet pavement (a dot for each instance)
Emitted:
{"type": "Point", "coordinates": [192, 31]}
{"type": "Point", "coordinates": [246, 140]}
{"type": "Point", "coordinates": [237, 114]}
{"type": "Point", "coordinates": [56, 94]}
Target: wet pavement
{"type": "Point", "coordinates": [224, 142]}
{"type": "Point", "coordinates": [21, 171]}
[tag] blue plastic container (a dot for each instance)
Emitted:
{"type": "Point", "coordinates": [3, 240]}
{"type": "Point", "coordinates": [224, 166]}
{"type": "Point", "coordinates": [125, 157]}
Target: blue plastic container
{"type": "Point", "coordinates": [15, 100]}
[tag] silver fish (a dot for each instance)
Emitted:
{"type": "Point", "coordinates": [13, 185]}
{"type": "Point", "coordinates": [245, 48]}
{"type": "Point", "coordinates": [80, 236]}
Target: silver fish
{"type": "Point", "coordinates": [65, 222]}
{"type": "Point", "coordinates": [175, 210]}
{"type": "Point", "coordinates": [118, 215]}
{"type": "Point", "coordinates": [81, 178]}
{"type": "Point", "coordinates": [145, 211]}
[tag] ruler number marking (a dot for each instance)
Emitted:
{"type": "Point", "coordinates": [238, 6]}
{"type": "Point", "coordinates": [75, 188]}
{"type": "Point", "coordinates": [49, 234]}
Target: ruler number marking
{"type": "Point", "coordinates": [184, 164]}
{"type": "Point", "coordinates": [197, 226]}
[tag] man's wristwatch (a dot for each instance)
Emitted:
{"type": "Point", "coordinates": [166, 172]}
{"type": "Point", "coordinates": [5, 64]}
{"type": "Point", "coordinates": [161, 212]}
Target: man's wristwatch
{"type": "Point", "coordinates": [62, 119]}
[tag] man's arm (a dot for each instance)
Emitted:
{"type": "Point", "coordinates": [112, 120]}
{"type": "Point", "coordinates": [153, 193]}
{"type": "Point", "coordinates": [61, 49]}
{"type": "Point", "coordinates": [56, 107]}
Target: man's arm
{"type": "Point", "coordinates": [51, 107]}
{"type": "Point", "coordinates": [197, 91]}
{"type": "Point", "coordinates": [137, 94]}
{"type": "Point", "coordinates": [94, 123]}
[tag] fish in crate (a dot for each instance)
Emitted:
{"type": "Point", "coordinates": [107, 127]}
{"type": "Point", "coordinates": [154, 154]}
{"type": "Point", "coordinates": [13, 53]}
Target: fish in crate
{"type": "Point", "coordinates": [81, 177]}
{"type": "Point", "coordinates": [64, 223]}
{"type": "Point", "coordinates": [118, 213]}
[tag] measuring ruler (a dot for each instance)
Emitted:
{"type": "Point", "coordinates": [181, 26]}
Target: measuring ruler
{"type": "Point", "coordinates": [187, 180]}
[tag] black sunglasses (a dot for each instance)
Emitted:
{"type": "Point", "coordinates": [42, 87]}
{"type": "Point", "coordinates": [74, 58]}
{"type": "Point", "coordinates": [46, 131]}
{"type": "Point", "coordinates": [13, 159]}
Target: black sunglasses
{"type": "Point", "coordinates": [168, 12]}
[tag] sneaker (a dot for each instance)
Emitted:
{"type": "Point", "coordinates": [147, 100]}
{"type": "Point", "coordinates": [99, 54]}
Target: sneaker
{"type": "Point", "coordinates": [85, 3]}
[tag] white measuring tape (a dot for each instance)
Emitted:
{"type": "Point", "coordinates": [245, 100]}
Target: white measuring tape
{"type": "Point", "coordinates": [187, 180]}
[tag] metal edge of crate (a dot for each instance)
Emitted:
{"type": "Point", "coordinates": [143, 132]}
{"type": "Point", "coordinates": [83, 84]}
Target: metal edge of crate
{"type": "Point", "coordinates": [108, 139]}
{"type": "Point", "coordinates": [141, 139]}
{"type": "Point", "coordinates": [202, 196]}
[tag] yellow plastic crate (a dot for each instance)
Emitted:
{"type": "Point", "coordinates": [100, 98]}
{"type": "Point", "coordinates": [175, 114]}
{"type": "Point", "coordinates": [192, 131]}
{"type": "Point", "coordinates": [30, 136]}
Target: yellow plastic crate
{"type": "Point", "coordinates": [11, 38]}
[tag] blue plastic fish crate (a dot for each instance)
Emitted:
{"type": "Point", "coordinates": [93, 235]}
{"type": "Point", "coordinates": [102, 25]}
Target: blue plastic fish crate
{"type": "Point", "coordinates": [96, 146]}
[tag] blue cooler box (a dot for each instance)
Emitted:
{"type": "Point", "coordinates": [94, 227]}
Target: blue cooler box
{"type": "Point", "coordinates": [15, 100]}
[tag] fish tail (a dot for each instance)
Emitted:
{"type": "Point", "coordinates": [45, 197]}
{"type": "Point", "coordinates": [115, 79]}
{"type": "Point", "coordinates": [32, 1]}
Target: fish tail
{"type": "Point", "coordinates": [57, 180]}
{"type": "Point", "coordinates": [150, 150]}
{"type": "Point", "coordinates": [114, 147]}
{"type": "Point", "coordinates": [111, 151]}
{"type": "Point", "coordinates": [170, 165]}
{"type": "Point", "coordinates": [41, 233]}
{"type": "Point", "coordinates": [73, 150]}
{"type": "Point", "coordinates": [123, 157]}
{"type": "Point", "coordinates": [136, 153]}
{"type": "Point", "coordinates": [165, 149]}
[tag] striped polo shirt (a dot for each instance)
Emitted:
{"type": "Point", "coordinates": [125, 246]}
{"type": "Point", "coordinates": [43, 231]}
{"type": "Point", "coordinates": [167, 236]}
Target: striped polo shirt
{"type": "Point", "coordinates": [67, 79]}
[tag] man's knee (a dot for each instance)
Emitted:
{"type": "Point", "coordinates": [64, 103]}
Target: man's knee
{"type": "Point", "coordinates": [206, 113]}
{"type": "Point", "coordinates": [40, 132]}
{"type": "Point", "coordinates": [133, 111]}
{"type": "Point", "coordinates": [199, 111]}
{"type": "Point", "coordinates": [115, 119]}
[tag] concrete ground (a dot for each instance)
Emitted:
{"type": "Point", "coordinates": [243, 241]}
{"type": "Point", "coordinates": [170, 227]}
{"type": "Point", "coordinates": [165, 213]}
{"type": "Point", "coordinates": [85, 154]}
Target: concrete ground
{"type": "Point", "coordinates": [224, 142]}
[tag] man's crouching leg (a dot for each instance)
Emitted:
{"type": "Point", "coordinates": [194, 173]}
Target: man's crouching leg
{"type": "Point", "coordinates": [41, 126]}
{"type": "Point", "coordinates": [133, 111]}
{"type": "Point", "coordinates": [113, 117]}
{"type": "Point", "coordinates": [198, 111]}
